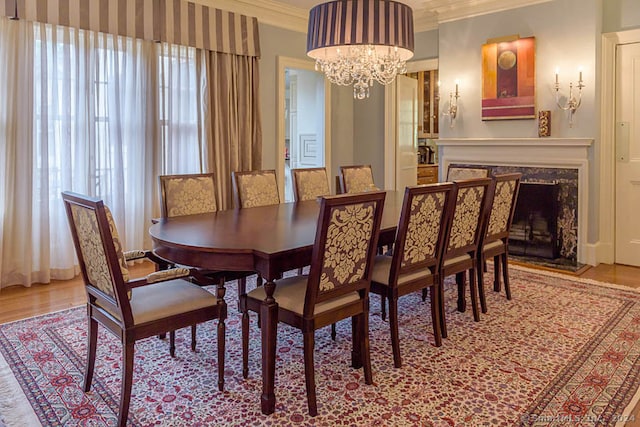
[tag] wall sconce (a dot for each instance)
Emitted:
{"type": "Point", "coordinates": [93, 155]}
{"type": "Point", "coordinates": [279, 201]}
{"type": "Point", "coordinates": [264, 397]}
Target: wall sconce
{"type": "Point", "coordinates": [452, 110]}
{"type": "Point", "coordinates": [572, 104]}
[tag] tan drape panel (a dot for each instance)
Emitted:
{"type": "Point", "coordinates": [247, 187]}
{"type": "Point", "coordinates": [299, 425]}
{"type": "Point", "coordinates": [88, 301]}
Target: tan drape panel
{"type": "Point", "coordinates": [8, 8]}
{"type": "Point", "coordinates": [172, 21]}
{"type": "Point", "coordinates": [233, 120]}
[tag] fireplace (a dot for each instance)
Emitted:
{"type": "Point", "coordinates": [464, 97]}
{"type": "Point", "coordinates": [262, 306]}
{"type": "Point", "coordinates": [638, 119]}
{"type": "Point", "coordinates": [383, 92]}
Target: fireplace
{"type": "Point", "coordinates": [564, 161]}
{"type": "Point", "coordinates": [534, 231]}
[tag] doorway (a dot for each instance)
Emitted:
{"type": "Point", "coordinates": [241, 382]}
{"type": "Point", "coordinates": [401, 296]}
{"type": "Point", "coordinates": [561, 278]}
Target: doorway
{"type": "Point", "coordinates": [303, 121]}
{"type": "Point", "coordinates": [605, 250]}
{"type": "Point", "coordinates": [627, 135]}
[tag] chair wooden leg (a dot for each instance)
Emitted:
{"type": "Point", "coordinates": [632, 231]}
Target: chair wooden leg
{"type": "Point", "coordinates": [383, 307]}
{"type": "Point", "coordinates": [334, 333]}
{"type": "Point", "coordinates": [473, 290]}
{"type": "Point", "coordinates": [127, 381]}
{"type": "Point", "coordinates": [245, 344]}
{"type": "Point", "coordinates": [461, 281]}
{"type": "Point", "coordinates": [221, 349]}
{"type": "Point", "coordinates": [162, 336]}
{"type": "Point", "coordinates": [365, 350]}
{"type": "Point", "coordinates": [496, 273]}
{"type": "Point", "coordinates": [242, 289]}
{"type": "Point", "coordinates": [424, 295]}
{"type": "Point", "coordinates": [443, 320]}
{"type": "Point", "coordinates": [393, 326]}
{"type": "Point", "coordinates": [435, 315]}
{"type": "Point", "coordinates": [505, 275]}
{"type": "Point", "coordinates": [483, 299]}
{"type": "Point", "coordinates": [92, 340]}
{"type": "Point", "coordinates": [172, 343]}
{"type": "Point", "coordinates": [309, 372]}
{"type": "Point", "coordinates": [193, 337]}
{"type": "Point", "coordinates": [356, 347]}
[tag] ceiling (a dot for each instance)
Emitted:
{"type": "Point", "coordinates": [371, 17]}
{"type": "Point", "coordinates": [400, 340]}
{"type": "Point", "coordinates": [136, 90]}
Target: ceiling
{"type": "Point", "coordinates": [427, 14]}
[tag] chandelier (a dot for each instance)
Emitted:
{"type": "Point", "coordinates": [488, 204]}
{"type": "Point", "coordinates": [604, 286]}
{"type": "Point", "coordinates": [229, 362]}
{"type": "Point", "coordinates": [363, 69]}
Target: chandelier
{"type": "Point", "coordinates": [355, 42]}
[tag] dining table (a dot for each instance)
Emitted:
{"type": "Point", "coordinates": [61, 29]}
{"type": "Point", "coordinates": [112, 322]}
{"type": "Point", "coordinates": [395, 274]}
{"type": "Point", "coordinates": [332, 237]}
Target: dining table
{"type": "Point", "coordinates": [269, 240]}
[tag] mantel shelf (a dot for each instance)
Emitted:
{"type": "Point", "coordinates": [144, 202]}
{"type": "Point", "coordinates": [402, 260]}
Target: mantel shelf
{"type": "Point", "coordinates": [522, 142]}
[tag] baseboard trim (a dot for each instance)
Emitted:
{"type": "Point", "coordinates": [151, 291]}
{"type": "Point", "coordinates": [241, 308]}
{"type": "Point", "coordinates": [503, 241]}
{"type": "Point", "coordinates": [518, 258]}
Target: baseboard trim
{"type": "Point", "coordinates": [599, 252]}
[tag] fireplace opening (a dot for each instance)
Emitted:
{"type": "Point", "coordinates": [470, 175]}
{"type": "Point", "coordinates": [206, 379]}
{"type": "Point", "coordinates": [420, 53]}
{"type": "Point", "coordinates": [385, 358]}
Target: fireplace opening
{"type": "Point", "coordinates": [534, 231]}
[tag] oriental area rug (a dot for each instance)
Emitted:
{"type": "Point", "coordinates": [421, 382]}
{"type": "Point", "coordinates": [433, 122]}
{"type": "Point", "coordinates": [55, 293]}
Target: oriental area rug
{"type": "Point", "coordinates": [563, 351]}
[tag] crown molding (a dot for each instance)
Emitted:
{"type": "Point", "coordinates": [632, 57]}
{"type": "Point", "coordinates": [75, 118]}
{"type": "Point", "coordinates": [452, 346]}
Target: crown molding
{"type": "Point", "coordinates": [472, 8]}
{"type": "Point", "coordinates": [278, 14]}
{"type": "Point", "coordinates": [268, 12]}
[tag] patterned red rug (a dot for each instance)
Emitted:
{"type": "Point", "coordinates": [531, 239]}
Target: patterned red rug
{"type": "Point", "coordinates": [562, 352]}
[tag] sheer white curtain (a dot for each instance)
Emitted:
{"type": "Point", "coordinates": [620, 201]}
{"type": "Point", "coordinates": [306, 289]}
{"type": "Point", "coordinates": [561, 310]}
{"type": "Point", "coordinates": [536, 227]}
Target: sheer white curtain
{"type": "Point", "coordinates": [92, 113]}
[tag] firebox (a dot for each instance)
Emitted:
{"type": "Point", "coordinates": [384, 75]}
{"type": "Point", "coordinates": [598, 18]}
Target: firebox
{"type": "Point", "coordinates": [534, 231]}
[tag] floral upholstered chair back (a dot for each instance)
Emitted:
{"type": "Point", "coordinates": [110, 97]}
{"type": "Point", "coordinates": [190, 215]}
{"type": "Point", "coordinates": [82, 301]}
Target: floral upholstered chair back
{"type": "Point", "coordinates": [456, 173]}
{"type": "Point", "coordinates": [471, 198]}
{"type": "Point", "coordinates": [187, 194]}
{"type": "Point", "coordinates": [504, 203]}
{"type": "Point", "coordinates": [422, 227]}
{"type": "Point", "coordinates": [99, 249]}
{"type": "Point", "coordinates": [344, 248]}
{"type": "Point", "coordinates": [255, 188]}
{"type": "Point", "coordinates": [309, 184]}
{"type": "Point", "coordinates": [357, 179]}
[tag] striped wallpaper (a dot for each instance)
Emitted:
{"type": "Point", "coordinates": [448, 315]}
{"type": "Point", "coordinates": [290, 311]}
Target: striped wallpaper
{"type": "Point", "coordinates": [172, 21]}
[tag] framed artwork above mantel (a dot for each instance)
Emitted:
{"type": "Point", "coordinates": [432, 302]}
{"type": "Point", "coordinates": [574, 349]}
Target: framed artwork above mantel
{"type": "Point", "coordinates": [508, 78]}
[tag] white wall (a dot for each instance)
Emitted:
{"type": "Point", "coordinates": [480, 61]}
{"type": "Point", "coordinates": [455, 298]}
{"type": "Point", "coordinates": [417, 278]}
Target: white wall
{"type": "Point", "coordinates": [567, 36]}
{"type": "Point", "coordinates": [368, 114]}
{"type": "Point", "coordinates": [558, 45]}
{"type": "Point", "coordinates": [275, 42]}
{"type": "Point", "coordinates": [620, 15]}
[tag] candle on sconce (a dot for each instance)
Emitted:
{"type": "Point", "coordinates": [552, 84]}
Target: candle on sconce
{"type": "Point", "coordinates": [457, 87]}
{"type": "Point", "coordinates": [556, 76]}
{"type": "Point", "coordinates": [580, 69]}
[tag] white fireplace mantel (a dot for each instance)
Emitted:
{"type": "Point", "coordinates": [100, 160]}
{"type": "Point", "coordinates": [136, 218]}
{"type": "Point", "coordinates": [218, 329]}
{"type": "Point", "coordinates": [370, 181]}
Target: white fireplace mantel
{"type": "Point", "coordinates": [569, 153]}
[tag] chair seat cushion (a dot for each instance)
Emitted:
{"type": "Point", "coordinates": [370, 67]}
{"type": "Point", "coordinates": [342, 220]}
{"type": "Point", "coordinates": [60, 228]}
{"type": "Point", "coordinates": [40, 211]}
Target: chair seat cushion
{"type": "Point", "coordinates": [492, 245]}
{"type": "Point", "coordinates": [452, 261]}
{"type": "Point", "coordinates": [165, 299]}
{"type": "Point", "coordinates": [382, 267]}
{"type": "Point", "coordinates": [290, 293]}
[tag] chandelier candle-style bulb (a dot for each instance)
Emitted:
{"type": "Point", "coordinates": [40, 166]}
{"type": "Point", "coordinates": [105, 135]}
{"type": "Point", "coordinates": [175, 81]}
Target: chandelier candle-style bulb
{"type": "Point", "coordinates": [357, 42]}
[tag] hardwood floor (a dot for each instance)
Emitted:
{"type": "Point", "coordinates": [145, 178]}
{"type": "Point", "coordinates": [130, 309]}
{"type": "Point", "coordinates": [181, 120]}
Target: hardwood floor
{"type": "Point", "coordinates": [18, 302]}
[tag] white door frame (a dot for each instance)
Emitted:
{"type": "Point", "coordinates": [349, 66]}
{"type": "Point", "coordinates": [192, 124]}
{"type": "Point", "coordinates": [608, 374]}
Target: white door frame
{"type": "Point", "coordinates": [605, 249]}
{"type": "Point", "coordinates": [283, 62]}
{"type": "Point", "coordinates": [391, 118]}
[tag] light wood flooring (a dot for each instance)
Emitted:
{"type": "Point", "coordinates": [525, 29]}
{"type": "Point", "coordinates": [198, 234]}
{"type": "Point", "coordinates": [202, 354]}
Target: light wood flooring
{"type": "Point", "coordinates": [19, 302]}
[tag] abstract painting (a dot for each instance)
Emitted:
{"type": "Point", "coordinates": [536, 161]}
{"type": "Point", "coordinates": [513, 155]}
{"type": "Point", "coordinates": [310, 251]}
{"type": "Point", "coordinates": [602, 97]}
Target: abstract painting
{"type": "Point", "coordinates": [508, 78]}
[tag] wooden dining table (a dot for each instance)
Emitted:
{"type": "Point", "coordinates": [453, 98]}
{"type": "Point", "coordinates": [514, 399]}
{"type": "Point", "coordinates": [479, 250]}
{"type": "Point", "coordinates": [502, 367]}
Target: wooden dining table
{"type": "Point", "coordinates": [269, 240]}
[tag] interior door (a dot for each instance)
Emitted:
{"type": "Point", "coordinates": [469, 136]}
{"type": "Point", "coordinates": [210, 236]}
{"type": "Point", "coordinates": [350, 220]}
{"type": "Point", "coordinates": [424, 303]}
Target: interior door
{"type": "Point", "coordinates": [406, 132]}
{"type": "Point", "coordinates": [627, 154]}
{"type": "Point", "coordinates": [305, 121]}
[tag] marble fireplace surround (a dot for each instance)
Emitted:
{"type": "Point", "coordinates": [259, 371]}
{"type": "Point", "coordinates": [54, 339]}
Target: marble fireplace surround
{"type": "Point", "coordinates": [565, 153]}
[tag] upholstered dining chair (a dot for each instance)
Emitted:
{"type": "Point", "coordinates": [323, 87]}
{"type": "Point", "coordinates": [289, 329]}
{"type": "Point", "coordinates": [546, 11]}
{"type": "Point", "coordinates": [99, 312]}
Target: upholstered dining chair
{"type": "Point", "coordinates": [337, 286]}
{"type": "Point", "coordinates": [252, 189]}
{"type": "Point", "coordinates": [461, 246]}
{"type": "Point", "coordinates": [255, 188]}
{"type": "Point", "coordinates": [457, 173]}
{"type": "Point", "coordinates": [417, 255]}
{"type": "Point", "coordinates": [132, 309]}
{"type": "Point", "coordinates": [356, 179]}
{"type": "Point", "coordinates": [310, 183]}
{"type": "Point", "coordinates": [192, 194]}
{"type": "Point", "coordinates": [495, 237]}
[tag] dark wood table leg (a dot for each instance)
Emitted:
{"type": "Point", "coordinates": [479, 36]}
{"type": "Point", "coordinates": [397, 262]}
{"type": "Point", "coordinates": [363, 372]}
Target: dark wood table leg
{"type": "Point", "coordinates": [269, 329]}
